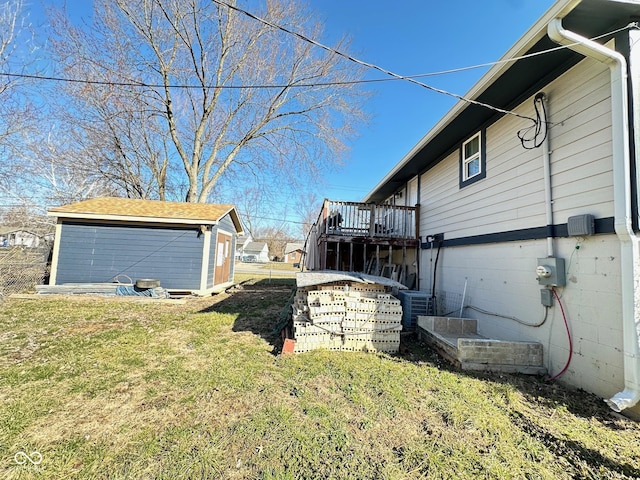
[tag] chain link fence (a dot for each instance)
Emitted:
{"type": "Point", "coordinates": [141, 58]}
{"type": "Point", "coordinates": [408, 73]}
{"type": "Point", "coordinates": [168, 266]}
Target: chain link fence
{"type": "Point", "coordinates": [22, 268]}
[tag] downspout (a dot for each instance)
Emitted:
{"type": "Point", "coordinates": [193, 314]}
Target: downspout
{"type": "Point", "coordinates": [629, 242]}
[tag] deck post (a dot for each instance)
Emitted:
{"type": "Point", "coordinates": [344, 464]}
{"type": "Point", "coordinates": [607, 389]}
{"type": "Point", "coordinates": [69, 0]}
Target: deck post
{"type": "Point", "coordinates": [404, 264]}
{"type": "Point", "coordinates": [364, 258]}
{"type": "Point", "coordinates": [372, 220]}
{"type": "Point", "coordinates": [325, 253]}
{"type": "Point", "coordinates": [351, 257]}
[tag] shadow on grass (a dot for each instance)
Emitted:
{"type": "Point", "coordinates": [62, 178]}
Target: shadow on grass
{"type": "Point", "coordinates": [578, 455]}
{"type": "Point", "coordinates": [258, 306]}
{"type": "Point", "coordinates": [584, 462]}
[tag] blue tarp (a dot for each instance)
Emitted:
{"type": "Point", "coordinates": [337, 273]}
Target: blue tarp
{"type": "Point", "coordinates": [133, 291]}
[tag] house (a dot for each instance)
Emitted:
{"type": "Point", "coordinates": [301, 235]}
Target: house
{"type": "Point", "coordinates": [187, 246]}
{"type": "Point", "coordinates": [293, 252]}
{"type": "Point", "coordinates": [256, 252]}
{"type": "Point", "coordinates": [529, 204]}
{"type": "Point", "coordinates": [16, 236]}
{"type": "Point", "coordinates": [241, 242]}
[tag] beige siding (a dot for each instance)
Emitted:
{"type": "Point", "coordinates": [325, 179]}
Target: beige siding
{"type": "Point", "coordinates": [511, 197]}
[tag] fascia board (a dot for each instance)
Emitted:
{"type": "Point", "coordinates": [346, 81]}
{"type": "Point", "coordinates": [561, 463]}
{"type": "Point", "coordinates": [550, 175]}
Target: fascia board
{"type": "Point", "coordinates": [526, 42]}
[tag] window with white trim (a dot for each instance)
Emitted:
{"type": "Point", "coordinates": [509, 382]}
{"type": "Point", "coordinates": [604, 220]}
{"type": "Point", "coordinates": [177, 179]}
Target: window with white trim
{"type": "Point", "coordinates": [472, 160]}
{"type": "Point", "coordinates": [471, 157]}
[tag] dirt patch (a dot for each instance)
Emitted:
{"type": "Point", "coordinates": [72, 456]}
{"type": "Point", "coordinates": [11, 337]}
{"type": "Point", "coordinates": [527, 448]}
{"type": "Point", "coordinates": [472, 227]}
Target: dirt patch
{"type": "Point", "coordinates": [90, 328]}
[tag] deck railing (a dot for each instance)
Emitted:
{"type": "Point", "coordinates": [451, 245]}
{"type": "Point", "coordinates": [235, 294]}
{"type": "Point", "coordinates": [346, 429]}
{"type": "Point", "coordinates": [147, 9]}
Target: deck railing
{"type": "Point", "coordinates": [368, 220]}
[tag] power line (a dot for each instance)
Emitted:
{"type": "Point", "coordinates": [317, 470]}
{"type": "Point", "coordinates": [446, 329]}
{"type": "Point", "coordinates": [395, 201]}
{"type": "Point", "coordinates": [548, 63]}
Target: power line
{"type": "Point", "coordinates": [183, 86]}
{"type": "Point", "coordinates": [371, 65]}
{"type": "Point", "coordinates": [394, 77]}
{"type": "Point", "coordinates": [411, 79]}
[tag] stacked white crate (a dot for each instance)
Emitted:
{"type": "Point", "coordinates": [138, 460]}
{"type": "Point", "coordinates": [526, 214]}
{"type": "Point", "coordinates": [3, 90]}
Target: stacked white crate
{"type": "Point", "coordinates": [347, 317]}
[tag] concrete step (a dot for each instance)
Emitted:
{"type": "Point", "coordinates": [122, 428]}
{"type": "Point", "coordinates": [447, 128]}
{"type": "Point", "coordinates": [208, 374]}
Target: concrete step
{"type": "Point", "coordinates": [457, 340]}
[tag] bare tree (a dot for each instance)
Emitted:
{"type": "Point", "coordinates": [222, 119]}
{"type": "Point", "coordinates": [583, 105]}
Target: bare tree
{"type": "Point", "coordinates": [58, 172]}
{"type": "Point", "coordinates": [308, 206]}
{"type": "Point", "coordinates": [17, 113]}
{"type": "Point", "coordinates": [276, 238]}
{"type": "Point", "coordinates": [215, 91]}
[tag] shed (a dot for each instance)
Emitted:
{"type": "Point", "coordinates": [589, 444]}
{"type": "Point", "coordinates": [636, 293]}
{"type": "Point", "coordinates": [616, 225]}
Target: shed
{"type": "Point", "coordinates": [187, 246]}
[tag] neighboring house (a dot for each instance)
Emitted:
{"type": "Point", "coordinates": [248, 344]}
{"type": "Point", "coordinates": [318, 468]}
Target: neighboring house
{"type": "Point", "coordinates": [256, 252]}
{"type": "Point", "coordinates": [533, 233]}
{"type": "Point", "coordinates": [16, 236]}
{"type": "Point", "coordinates": [293, 252]}
{"type": "Point", "coordinates": [241, 242]}
{"type": "Point", "coordinates": [187, 246]}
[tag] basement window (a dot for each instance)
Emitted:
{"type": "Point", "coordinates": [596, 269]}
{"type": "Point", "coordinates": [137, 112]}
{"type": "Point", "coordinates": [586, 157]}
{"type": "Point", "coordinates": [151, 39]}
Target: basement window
{"type": "Point", "coordinates": [472, 160]}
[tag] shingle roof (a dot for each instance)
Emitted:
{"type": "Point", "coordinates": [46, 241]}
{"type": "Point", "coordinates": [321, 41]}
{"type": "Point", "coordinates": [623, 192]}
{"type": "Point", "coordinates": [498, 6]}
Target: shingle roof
{"type": "Point", "coordinates": [293, 247]}
{"type": "Point", "coordinates": [146, 210]}
{"type": "Point", "coordinates": [255, 246]}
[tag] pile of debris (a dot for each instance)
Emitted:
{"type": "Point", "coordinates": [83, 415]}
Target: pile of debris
{"type": "Point", "coordinates": [346, 316]}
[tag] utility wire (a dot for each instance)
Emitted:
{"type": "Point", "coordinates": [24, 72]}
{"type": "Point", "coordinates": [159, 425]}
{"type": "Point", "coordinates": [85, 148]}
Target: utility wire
{"type": "Point", "coordinates": [522, 57]}
{"type": "Point", "coordinates": [371, 65]}
{"type": "Point", "coordinates": [133, 83]}
{"type": "Point", "coordinates": [395, 77]}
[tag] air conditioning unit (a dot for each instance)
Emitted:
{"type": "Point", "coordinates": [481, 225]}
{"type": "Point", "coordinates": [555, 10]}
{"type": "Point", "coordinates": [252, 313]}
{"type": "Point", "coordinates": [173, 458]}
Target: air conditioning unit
{"type": "Point", "coordinates": [414, 303]}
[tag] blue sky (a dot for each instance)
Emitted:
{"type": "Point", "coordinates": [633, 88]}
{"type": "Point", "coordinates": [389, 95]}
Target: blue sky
{"type": "Point", "coordinates": [407, 37]}
{"type": "Point", "coordinates": [412, 37]}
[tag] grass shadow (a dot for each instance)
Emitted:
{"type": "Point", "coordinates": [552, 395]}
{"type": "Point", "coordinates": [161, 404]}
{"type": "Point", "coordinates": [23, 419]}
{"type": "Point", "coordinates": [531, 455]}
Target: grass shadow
{"type": "Point", "coordinates": [550, 399]}
{"type": "Point", "coordinates": [258, 306]}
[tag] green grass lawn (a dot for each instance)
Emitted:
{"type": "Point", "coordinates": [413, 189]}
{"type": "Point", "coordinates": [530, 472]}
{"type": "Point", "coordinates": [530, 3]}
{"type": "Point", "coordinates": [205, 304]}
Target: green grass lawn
{"type": "Point", "coordinates": [114, 389]}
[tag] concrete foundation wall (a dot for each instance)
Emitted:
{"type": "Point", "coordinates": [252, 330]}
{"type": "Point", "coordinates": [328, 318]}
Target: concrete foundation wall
{"type": "Point", "coordinates": [498, 352]}
{"type": "Point", "coordinates": [500, 278]}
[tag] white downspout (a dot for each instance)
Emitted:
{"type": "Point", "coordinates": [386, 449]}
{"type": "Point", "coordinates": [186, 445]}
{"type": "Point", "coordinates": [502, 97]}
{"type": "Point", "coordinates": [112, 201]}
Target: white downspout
{"type": "Point", "coordinates": [629, 243]}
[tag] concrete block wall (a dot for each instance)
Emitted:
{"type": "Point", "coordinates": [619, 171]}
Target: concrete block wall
{"type": "Point", "coordinates": [498, 352]}
{"type": "Point", "coordinates": [457, 339]}
{"type": "Point", "coordinates": [448, 325]}
{"type": "Point", "coordinates": [346, 317]}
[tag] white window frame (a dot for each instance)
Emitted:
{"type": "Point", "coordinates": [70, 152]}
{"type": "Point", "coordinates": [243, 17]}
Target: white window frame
{"type": "Point", "coordinates": [477, 156]}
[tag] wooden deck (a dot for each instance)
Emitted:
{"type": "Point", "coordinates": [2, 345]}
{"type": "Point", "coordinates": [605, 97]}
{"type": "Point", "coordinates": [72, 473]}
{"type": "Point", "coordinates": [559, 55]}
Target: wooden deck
{"type": "Point", "coordinates": [373, 239]}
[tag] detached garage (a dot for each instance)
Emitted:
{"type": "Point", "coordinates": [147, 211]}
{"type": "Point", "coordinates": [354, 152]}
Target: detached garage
{"type": "Point", "coordinates": [187, 246]}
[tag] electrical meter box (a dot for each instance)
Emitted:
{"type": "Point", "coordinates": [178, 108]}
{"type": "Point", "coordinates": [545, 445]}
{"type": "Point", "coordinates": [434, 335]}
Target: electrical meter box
{"type": "Point", "coordinates": [550, 272]}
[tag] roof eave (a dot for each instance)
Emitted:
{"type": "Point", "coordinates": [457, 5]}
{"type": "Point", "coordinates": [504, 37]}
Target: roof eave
{"type": "Point", "coordinates": [235, 218]}
{"type": "Point", "coordinates": [129, 218]}
{"type": "Point", "coordinates": [526, 42]}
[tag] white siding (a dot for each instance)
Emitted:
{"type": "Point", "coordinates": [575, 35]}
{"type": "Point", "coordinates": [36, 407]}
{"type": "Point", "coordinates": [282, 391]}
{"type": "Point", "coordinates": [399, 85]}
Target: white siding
{"type": "Point", "coordinates": [500, 278]}
{"type": "Point", "coordinates": [412, 192]}
{"type": "Point", "coordinates": [512, 195]}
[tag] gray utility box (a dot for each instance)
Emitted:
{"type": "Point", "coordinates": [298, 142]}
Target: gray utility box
{"type": "Point", "coordinates": [550, 272]}
{"type": "Point", "coordinates": [581, 225]}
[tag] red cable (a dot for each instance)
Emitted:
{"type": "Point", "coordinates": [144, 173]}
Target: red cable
{"type": "Point", "coordinates": [566, 324]}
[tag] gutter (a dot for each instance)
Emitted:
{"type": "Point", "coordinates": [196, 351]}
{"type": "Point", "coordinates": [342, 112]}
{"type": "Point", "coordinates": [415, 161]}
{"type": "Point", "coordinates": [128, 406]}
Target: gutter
{"type": "Point", "coordinates": [629, 242]}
